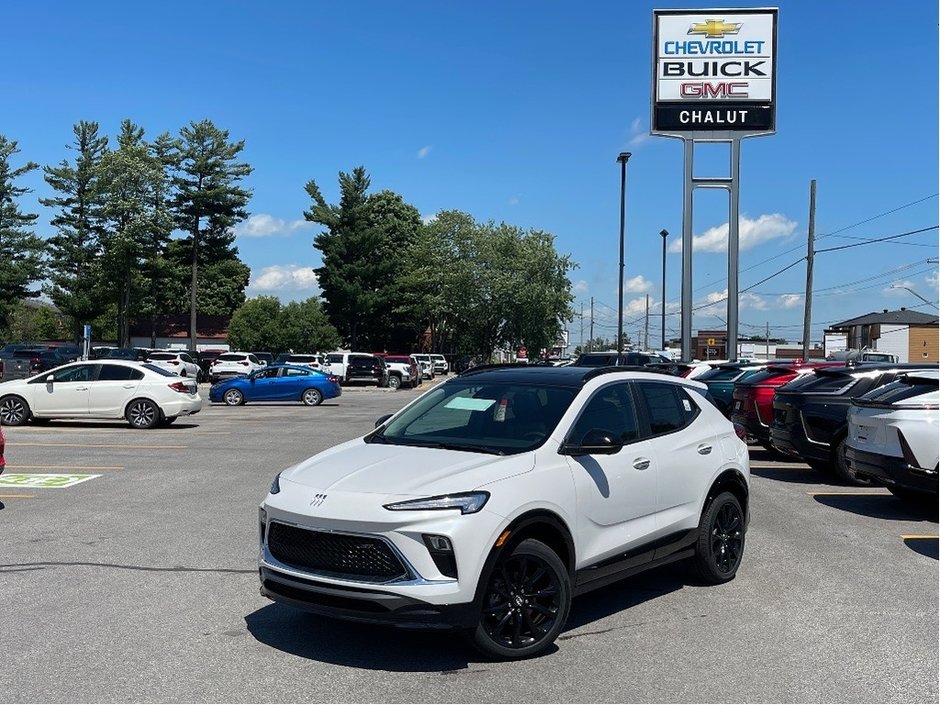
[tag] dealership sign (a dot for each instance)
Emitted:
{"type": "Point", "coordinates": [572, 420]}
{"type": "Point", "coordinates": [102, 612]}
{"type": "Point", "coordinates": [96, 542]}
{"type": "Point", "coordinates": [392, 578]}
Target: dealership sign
{"type": "Point", "coordinates": [714, 71]}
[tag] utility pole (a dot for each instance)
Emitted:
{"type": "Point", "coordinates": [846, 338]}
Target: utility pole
{"type": "Point", "coordinates": [646, 326]}
{"type": "Point", "coordinates": [767, 341]}
{"type": "Point", "coordinates": [664, 233]}
{"type": "Point", "coordinates": [622, 158]}
{"type": "Point", "coordinates": [810, 247]}
{"type": "Point", "coordinates": [591, 341]}
{"type": "Point", "coordinates": [582, 326]}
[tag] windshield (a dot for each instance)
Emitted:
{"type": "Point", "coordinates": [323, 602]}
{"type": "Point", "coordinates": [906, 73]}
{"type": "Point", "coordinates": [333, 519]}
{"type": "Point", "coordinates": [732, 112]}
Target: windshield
{"type": "Point", "coordinates": [482, 417]}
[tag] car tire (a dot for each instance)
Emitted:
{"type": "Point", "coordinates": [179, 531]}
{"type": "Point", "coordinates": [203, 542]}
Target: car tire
{"type": "Point", "coordinates": [394, 382]}
{"type": "Point", "coordinates": [14, 411]}
{"type": "Point", "coordinates": [525, 603]}
{"type": "Point", "coordinates": [233, 397]}
{"type": "Point", "coordinates": [142, 414]}
{"type": "Point", "coordinates": [720, 544]}
{"type": "Point", "coordinates": [312, 397]}
{"type": "Point", "coordinates": [845, 473]}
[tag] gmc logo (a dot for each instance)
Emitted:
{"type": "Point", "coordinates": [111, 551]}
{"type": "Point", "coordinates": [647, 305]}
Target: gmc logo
{"type": "Point", "coordinates": [704, 89]}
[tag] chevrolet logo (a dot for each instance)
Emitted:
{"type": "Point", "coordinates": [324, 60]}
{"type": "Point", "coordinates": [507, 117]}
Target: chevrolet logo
{"type": "Point", "coordinates": [715, 28]}
{"type": "Point", "coordinates": [317, 500]}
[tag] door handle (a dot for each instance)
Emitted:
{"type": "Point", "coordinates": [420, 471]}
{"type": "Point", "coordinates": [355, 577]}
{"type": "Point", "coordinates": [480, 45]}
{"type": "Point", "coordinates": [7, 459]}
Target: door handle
{"type": "Point", "coordinates": [129, 386]}
{"type": "Point", "coordinates": [81, 389]}
{"type": "Point", "coordinates": [641, 463]}
{"type": "Point", "coordinates": [704, 449]}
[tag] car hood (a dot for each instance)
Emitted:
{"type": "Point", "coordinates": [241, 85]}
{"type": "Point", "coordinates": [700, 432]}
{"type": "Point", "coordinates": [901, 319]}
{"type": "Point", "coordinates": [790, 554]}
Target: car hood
{"type": "Point", "coordinates": [376, 468]}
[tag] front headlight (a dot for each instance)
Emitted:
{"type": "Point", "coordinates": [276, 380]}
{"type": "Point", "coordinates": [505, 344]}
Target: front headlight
{"type": "Point", "coordinates": [276, 484]}
{"type": "Point", "coordinates": [466, 502]}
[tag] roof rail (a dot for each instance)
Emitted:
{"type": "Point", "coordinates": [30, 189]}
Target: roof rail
{"type": "Point", "coordinates": [597, 371]}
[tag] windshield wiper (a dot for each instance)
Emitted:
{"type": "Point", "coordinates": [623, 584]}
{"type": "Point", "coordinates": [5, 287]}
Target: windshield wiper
{"type": "Point", "coordinates": [457, 446]}
{"type": "Point", "coordinates": [377, 437]}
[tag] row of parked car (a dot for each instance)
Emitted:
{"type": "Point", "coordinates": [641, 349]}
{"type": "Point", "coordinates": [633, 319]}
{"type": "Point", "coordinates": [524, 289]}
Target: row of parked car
{"type": "Point", "coordinates": [867, 423]}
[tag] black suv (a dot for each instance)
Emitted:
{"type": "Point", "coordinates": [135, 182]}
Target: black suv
{"type": "Point", "coordinates": [609, 359]}
{"type": "Point", "coordinates": [367, 368]}
{"type": "Point", "coordinates": [810, 414]}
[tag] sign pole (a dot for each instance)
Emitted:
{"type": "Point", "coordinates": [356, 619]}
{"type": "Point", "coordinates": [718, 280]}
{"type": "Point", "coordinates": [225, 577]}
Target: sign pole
{"type": "Point", "coordinates": [734, 202]}
{"type": "Point", "coordinates": [686, 296]}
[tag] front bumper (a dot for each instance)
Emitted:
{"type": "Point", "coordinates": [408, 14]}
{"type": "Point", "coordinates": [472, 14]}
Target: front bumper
{"type": "Point", "coordinates": [360, 604]}
{"type": "Point", "coordinates": [891, 470]}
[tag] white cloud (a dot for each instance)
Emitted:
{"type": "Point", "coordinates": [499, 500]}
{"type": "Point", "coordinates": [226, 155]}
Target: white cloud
{"type": "Point", "coordinates": [429, 218]}
{"type": "Point", "coordinates": [717, 303]}
{"type": "Point", "coordinates": [638, 135]}
{"type": "Point", "coordinates": [514, 201]}
{"type": "Point", "coordinates": [790, 301]}
{"type": "Point", "coordinates": [580, 287]}
{"type": "Point", "coordinates": [284, 278]}
{"type": "Point", "coordinates": [425, 151]}
{"type": "Point", "coordinates": [750, 234]}
{"type": "Point", "coordinates": [637, 284]}
{"type": "Point", "coordinates": [933, 280]}
{"type": "Point", "coordinates": [264, 225]}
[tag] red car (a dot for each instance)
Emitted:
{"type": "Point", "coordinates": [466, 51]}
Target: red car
{"type": "Point", "coordinates": [752, 400]}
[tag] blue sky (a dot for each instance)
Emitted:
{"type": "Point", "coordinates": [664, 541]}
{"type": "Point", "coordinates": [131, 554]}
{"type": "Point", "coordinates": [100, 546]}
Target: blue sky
{"type": "Point", "coordinates": [515, 112]}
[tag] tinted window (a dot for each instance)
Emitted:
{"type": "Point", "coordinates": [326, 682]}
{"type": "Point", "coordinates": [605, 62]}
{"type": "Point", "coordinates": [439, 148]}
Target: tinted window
{"type": "Point", "coordinates": [163, 356]}
{"type": "Point", "coordinates": [665, 412]}
{"type": "Point", "coordinates": [265, 374]}
{"type": "Point", "coordinates": [119, 373]}
{"type": "Point", "coordinates": [768, 375]}
{"type": "Point", "coordinates": [79, 373]}
{"type": "Point", "coordinates": [295, 372]}
{"type": "Point", "coordinates": [826, 383]}
{"type": "Point", "coordinates": [334, 358]}
{"type": "Point", "coordinates": [720, 374]}
{"type": "Point", "coordinates": [158, 370]}
{"type": "Point", "coordinates": [610, 409]}
{"type": "Point", "coordinates": [186, 358]}
{"type": "Point", "coordinates": [899, 391]}
{"type": "Point", "coordinates": [230, 357]}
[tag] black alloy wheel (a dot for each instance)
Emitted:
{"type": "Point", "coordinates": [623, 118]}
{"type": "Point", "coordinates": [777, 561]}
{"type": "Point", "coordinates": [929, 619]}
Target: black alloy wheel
{"type": "Point", "coordinates": [720, 545]}
{"type": "Point", "coordinates": [14, 411]}
{"type": "Point", "coordinates": [525, 603]}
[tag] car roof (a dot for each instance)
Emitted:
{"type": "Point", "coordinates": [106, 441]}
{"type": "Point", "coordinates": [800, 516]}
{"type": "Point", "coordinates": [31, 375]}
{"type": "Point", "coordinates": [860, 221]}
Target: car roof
{"type": "Point", "coordinates": [570, 376]}
{"type": "Point", "coordinates": [871, 367]}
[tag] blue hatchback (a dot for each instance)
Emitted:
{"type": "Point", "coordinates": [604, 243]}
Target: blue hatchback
{"type": "Point", "coordinates": [278, 383]}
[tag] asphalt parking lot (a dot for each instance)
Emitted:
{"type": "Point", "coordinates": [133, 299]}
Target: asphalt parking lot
{"type": "Point", "coordinates": [139, 584]}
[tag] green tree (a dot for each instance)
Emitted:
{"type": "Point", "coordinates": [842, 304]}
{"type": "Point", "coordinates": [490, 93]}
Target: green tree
{"type": "Point", "coordinates": [20, 249]}
{"type": "Point", "coordinates": [256, 325]}
{"type": "Point", "coordinates": [208, 201]}
{"type": "Point", "coordinates": [364, 248]}
{"type": "Point", "coordinates": [136, 223]}
{"type": "Point", "coordinates": [30, 322]}
{"type": "Point", "coordinates": [304, 327]}
{"type": "Point", "coordinates": [74, 279]}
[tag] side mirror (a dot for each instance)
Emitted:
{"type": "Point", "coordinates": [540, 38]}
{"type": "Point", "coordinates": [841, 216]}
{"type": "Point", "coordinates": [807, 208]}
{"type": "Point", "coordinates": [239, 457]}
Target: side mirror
{"type": "Point", "coordinates": [382, 419]}
{"type": "Point", "coordinates": [50, 379]}
{"type": "Point", "coordinates": [595, 442]}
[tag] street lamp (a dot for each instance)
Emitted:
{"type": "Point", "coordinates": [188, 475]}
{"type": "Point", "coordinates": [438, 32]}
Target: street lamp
{"type": "Point", "coordinates": [898, 286]}
{"type": "Point", "coordinates": [665, 234]}
{"type": "Point", "coordinates": [623, 157]}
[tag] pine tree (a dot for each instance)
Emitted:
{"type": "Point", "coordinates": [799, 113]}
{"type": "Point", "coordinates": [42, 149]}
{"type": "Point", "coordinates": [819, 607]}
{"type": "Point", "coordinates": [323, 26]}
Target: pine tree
{"type": "Point", "coordinates": [20, 250]}
{"type": "Point", "coordinates": [208, 202]}
{"type": "Point", "coordinates": [75, 285]}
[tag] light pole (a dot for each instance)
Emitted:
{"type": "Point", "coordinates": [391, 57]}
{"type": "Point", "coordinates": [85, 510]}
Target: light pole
{"type": "Point", "coordinates": [665, 234]}
{"type": "Point", "coordinates": [623, 157]}
{"type": "Point", "coordinates": [898, 286]}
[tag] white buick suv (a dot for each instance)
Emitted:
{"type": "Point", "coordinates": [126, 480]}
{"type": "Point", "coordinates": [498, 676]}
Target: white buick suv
{"type": "Point", "coordinates": [492, 500]}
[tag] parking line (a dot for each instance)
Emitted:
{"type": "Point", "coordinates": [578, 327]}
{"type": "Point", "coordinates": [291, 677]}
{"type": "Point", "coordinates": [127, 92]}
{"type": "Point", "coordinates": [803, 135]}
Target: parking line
{"type": "Point", "coordinates": [65, 467]}
{"type": "Point", "coordinates": [92, 445]}
{"type": "Point", "coordinates": [17, 496]}
{"type": "Point", "coordinates": [849, 494]}
{"type": "Point", "coordinates": [919, 536]}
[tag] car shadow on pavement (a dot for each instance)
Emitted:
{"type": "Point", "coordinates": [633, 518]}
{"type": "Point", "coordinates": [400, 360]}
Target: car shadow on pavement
{"type": "Point", "coordinates": [923, 545]}
{"type": "Point", "coordinates": [388, 649]}
{"type": "Point", "coordinates": [879, 506]}
{"type": "Point", "coordinates": [803, 476]}
{"type": "Point", "coordinates": [358, 645]}
{"type": "Point", "coordinates": [116, 425]}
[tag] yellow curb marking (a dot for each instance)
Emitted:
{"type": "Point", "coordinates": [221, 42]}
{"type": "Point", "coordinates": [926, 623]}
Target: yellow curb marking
{"type": "Point", "coordinates": [17, 496]}
{"type": "Point", "coordinates": [919, 536]}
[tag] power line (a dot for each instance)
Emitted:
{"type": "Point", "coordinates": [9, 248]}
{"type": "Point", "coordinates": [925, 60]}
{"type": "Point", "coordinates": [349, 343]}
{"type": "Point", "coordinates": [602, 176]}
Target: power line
{"type": "Point", "coordinates": [880, 239]}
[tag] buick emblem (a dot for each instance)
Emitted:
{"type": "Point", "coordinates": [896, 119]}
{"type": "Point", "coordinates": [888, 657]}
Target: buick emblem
{"type": "Point", "coordinates": [317, 500]}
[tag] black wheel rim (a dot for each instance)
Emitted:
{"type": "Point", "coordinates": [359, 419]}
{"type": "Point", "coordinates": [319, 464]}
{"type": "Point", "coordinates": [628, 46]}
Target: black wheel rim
{"type": "Point", "coordinates": [727, 538]}
{"type": "Point", "coordinates": [12, 411]}
{"type": "Point", "coordinates": [522, 603]}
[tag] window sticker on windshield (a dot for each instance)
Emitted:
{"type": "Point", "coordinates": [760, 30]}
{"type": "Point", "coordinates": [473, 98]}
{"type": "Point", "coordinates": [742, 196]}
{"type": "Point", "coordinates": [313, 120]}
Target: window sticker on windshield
{"type": "Point", "coordinates": [500, 414]}
{"type": "Point", "coordinates": [468, 404]}
{"type": "Point", "coordinates": [686, 405]}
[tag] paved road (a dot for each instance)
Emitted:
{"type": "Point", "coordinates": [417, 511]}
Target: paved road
{"type": "Point", "coordinates": [140, 585]}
